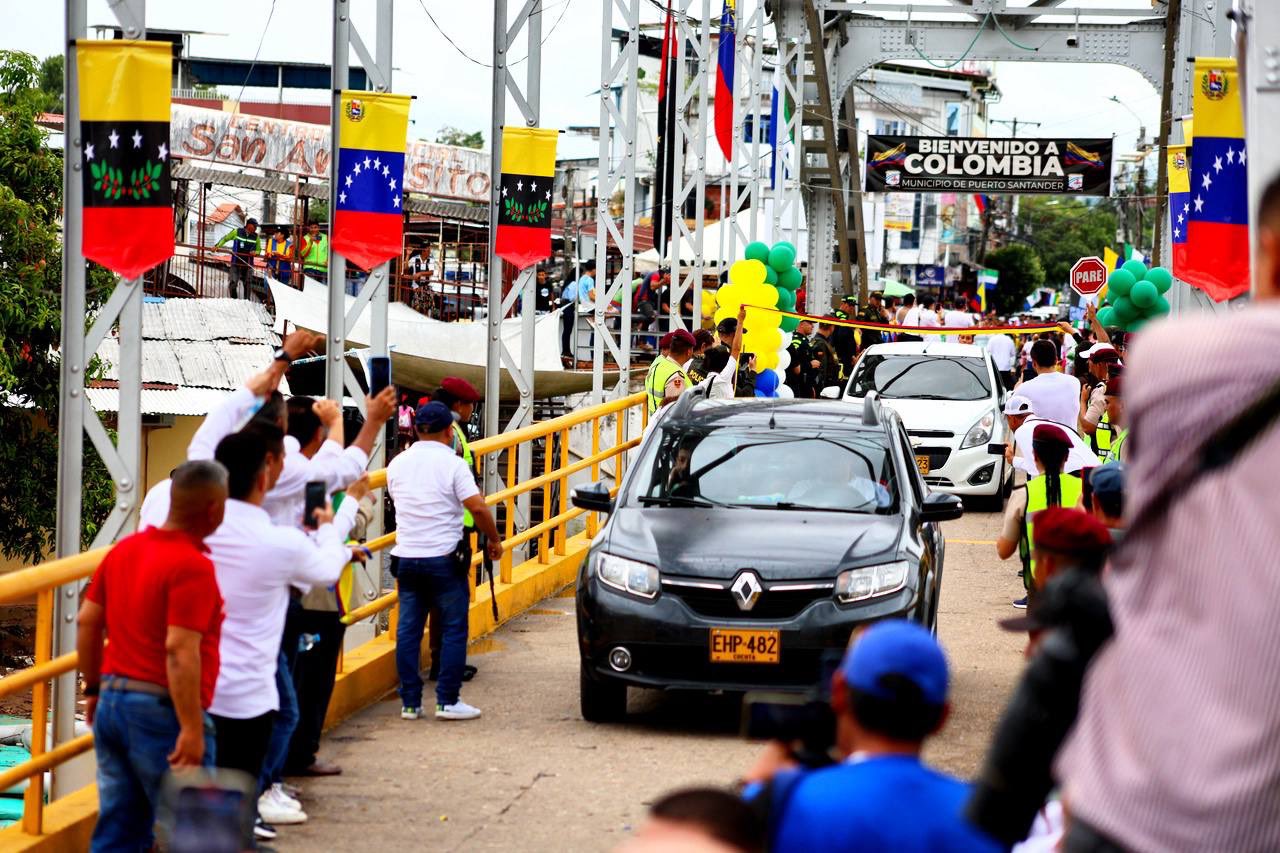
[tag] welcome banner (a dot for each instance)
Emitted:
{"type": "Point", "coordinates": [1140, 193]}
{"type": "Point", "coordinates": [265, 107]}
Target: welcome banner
{"type": "Point", "coordinates": [961, 164]}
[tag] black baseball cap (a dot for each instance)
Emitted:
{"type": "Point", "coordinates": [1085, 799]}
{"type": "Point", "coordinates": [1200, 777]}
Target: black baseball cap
{"type": "Point", "coordinates": [729, 325]}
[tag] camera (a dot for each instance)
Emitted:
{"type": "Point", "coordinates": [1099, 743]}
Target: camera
{"type": "Point", "coordinates": [803, 721]}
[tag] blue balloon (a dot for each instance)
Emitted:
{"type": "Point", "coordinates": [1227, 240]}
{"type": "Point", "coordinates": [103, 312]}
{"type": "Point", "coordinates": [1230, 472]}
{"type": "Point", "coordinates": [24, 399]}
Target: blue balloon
{"type": "Point", "coordinates": [767, 384]}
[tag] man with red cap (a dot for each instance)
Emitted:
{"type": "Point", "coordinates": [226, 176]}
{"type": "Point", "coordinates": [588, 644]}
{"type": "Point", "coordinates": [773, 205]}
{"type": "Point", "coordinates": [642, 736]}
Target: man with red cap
{"type": "Point", "coordinates": [461, 397]}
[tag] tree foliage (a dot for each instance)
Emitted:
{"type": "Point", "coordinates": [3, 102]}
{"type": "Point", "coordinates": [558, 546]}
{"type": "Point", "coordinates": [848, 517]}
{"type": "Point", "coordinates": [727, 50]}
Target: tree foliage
{"type": "Point", "coordinates": [1064, 230]}
{"type": "Point", "coordinates": [1020, 273]}
{"type": "Point", "coordinates": [450, 135]}
{"type": "Point", "coordinates": [30, 322]}
{"type": "Point", "coordinates": [51, 84]}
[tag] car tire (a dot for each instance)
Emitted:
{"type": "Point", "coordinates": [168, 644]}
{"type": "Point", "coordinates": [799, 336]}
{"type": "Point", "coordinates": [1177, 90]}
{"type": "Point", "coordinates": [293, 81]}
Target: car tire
{"type": "Point", "coordinates": [601, 700]}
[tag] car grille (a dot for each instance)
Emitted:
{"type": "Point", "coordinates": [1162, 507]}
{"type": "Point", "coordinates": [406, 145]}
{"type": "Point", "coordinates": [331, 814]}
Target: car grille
{"type": "Point", "coordinates": [938, 456]}
{"type": "Point", "coordinates": [772, 604]}
{"type": "Point", "coordinates": [931, 433]}
{"type": "Point", "coordinates": [942, 482]}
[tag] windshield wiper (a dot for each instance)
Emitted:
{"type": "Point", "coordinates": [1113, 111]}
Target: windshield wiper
{"type": "Point", "coordinates": [792, 505]}
{"type": "Point", "coordinates": [673, 500]}
{"type": "Point", "coordinates": [919, 397]}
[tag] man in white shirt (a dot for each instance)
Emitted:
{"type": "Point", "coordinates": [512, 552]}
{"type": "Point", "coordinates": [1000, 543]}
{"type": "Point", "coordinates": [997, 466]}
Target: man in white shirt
{"type": "Point", "coordinates": [958, 317]}
{"type": "Point", "coordinates": [256, 562]}
{"type": "Point", "coordinates": [1054, 395]}
{"type": "Point", "coordinates": [431, 486]}
{"type": "Point", "coordinates": [929, 313]}
{"type": "Point", "coordinates": [1004, 354]}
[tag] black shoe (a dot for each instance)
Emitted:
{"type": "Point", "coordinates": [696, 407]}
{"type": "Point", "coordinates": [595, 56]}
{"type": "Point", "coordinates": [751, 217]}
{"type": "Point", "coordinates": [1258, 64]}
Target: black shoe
{"type": "Point", "coordinates": [263, 830]}
{"type": "Point", "coordinates": [468, 673]}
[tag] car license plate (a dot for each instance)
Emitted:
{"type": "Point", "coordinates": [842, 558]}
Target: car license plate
{"type": "Point", "coordinates": [733, 645]}
{"type": "Point", "coordinates": [922, 463]}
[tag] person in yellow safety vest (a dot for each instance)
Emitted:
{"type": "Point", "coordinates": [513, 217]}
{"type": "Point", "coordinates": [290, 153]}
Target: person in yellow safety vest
{"type": "Point", "coordinates": [665, 377]}
{"type": "Point", "coordinates": [315, 252]}
{"type": "Point", "coordinates": [1114, 396]}
{"type": "Point", "coordinates": [1050, 446]}
{"type": "Point", "coordinates": [1104, 362]}
{"type": "Point", "coordinates": [461, 398]}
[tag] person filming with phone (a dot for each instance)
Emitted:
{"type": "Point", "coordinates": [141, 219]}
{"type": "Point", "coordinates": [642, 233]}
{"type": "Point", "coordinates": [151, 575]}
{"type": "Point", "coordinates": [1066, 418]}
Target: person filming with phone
{"type": "Point", "coordinates": [431, 487]}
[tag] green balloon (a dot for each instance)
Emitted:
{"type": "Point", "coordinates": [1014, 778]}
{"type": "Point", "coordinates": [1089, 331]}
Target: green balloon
{"type": "Point", "coordinates": [789, 324]}
{"type": "Point", "coordinates": [786, 299]}
{"type": "Point", "coordinates": [1124, 311]}
{"type": "Point", "coordinates": [791, 279]}
{"type": "Point", "coordinates": [1107, 316]}
{"type": "Point", "coordinates": [1161, 278]}
{"type": "Point", "coordinates": [782, 257]}
{"type": "Point", "coordinates": [1135, 325]}
{"type": "Point", "coordinates": [788, 244]}
{"type": "Point", "coordinates": [758, 251]}
{"type": "Point", "coordinates": [1161, 307]}
{"type": "Point", "coordinates": [1137, 269]}
{"type": "Point", "coordinates": [1118, 284]}
{"type": "Point", "coordinates": [1144, 296]}
{"type": "Point", "coordinates": [770, 275]}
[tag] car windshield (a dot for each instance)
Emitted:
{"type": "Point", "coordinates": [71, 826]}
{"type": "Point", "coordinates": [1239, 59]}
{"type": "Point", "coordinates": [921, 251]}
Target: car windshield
{"type": "Point", "coordinates": [698, 466]}
{"type": "Point", "coordinates": [923, 377]}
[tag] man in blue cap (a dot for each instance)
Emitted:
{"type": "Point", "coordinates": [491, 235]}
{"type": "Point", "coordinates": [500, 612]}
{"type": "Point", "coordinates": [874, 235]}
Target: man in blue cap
{"type": "Point", "coordinates": [431, 487]}
{"type": "Point", "coordinates": [1106, 484]}
{"type": "Point", "coordinates": [889, 695]}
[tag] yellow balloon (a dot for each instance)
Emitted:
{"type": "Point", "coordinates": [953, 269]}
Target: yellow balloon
{"type": "Point", "coordinates": [771, 339]}
{"type": "Point", "coordinates": [709, 302]}
{"type": "Point", "coordinates": [760, 319]}
{"type": "Point", "coordinates": [731, 296]}
{"type": "Point", "coordinates": [747, 272]}
{"type": "Point", "coordinates": [725, 313]}
{"type": "Point", "coordinates": [767, 360]}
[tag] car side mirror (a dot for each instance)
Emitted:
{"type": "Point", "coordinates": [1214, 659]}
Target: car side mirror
{"type": "Point", "coordinates": [940, 506]}
{"type": "Point", "coordinates": [831, 392]}
{"type": "Point", "coordinates": [996, 449]}
{"type": "Point", "coordinates": [594, 496]}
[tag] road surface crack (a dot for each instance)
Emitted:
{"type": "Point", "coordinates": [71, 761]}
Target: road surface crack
{"type": "Point", "coordinates": [524, 789]}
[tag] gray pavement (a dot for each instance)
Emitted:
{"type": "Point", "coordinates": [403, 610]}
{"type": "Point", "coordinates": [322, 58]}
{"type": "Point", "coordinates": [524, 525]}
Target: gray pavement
{"type": "Point", "coordinates": [532, 776]}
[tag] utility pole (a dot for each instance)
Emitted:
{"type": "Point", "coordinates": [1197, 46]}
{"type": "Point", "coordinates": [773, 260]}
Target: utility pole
{"type": "Point", "coordinates": [1011, 202]}
{"type": "Point", "coordinates": [1173, 22]}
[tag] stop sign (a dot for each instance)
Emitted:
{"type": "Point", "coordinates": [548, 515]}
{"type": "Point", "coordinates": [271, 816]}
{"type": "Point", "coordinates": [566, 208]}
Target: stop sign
{"type": "Point", "coordinates": [1088, 275]}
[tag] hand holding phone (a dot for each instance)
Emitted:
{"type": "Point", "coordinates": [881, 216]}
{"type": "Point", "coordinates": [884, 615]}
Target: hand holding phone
{"type": "Point", "coordinates": [379, 374]}
{"type": "Point", "coordinates": [317, 501]}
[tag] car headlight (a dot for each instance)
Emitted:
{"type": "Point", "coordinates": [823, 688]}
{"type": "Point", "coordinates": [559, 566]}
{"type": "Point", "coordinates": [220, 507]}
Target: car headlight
{"type": "Point", "coordinates": [980, 433]}
{"type": "Point", "coordinates": [630, 576]}
{"type": "Point", "coordinates": [870, 581]}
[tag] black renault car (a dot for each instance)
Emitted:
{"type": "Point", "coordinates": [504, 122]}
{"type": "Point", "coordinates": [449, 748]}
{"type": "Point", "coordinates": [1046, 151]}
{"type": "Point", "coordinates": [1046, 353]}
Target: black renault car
{"type": "Point", "coordinates": [747, 541]}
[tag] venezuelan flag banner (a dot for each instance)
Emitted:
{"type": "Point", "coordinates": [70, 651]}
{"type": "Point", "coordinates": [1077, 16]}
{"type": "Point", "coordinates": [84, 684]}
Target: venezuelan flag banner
{"type": "Point", "coordinates": [1217, 250]}
{"type": "Point", "coordinates": [724, 103]}
{"type": "Point", "coordinates": [124, 128]}
{"type": "Point", "coordinates": [524, 210]}
{"type": "Point", "coordinates": [1179, 205]}
{"type": "Point", "coordinates": [368, 225]}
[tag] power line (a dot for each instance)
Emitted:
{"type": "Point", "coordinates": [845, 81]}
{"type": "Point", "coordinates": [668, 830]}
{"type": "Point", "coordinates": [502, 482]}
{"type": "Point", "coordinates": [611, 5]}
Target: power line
{"type": "Point", "coordinates": [564, 8]}
{"type": "Point", "coordinates": [262, 38]}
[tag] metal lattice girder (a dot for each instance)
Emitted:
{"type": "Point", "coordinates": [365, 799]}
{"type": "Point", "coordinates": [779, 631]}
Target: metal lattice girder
{"type": "Point", "coordinates": [1260, 70]}
{"type": "Point", "coordinates": [615, 177]}
{"type": "Point", "coordinates": [695, 34]}
{"type": "Point", "coordinates": [787, 199]}
{"type": "Point", "coordinates": [745, 183]}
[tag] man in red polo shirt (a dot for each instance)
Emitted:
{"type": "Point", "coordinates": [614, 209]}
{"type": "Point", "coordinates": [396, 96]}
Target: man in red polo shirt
{"type": "Point", "coordinates": [156, 598]}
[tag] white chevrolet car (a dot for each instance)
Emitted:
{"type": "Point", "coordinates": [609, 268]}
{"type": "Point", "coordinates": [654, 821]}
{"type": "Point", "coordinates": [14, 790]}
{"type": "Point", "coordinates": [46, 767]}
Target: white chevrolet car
{"type": "Point", "coordinates": [950, 400]}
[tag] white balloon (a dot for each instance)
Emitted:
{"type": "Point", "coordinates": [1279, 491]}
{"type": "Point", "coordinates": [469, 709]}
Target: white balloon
{"type": "Point", "coordinates": [786, 340]}
{"type": "Point", "coordinates": [784, 360]}
{"type": "Point", "coordinates": [785, 392]}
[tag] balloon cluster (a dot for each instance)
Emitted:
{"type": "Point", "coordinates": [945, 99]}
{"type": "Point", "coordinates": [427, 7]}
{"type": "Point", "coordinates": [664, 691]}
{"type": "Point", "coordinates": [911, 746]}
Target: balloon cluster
{"type": "Point", "coordinates": [768, 278]}
{"type": "Point", "coordinates": [1135, 295]}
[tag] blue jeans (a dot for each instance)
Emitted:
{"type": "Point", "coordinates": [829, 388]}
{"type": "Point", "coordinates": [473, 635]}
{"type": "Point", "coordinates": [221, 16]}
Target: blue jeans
{"type": "Point", "coordinates": [133, 734]}
{"type": "Point", "coordinates": [423, 582]}
{"type": "Point", "coordinates": [282, 727]}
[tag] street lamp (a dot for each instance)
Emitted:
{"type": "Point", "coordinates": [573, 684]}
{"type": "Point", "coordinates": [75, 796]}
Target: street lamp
{"type": "Point", "coordinates": [1142, 126]}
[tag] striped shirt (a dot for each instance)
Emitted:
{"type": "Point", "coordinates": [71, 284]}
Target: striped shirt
{"type": "Point", "coordinates": [1177, 746]}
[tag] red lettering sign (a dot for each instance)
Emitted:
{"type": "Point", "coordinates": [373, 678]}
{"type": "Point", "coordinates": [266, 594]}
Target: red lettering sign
{"type": "Point", "coordinates": [1088, 275]}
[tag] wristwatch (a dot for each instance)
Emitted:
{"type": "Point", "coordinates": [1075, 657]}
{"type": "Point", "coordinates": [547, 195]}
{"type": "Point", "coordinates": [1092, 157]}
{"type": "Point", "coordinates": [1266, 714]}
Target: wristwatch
{"type": "Point", "coordinates": [281, 355]}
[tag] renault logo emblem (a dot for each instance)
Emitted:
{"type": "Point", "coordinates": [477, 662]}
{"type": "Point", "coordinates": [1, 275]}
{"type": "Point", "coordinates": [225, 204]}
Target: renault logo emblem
{"type": "Point", "coordinates": [746, 590]}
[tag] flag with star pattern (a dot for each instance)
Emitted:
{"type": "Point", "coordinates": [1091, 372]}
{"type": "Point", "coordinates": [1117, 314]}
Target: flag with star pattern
{"type": "Point", "coordinates": [124, 148]}
{"type": "Point", "coordinates": [1179, 206]}
{"type": "Point", "coordinates": [524, 203]}
{"type": "Point", "coordinates": [368, 220]}
{"type": "Point", "coordinates": [1218, 213]}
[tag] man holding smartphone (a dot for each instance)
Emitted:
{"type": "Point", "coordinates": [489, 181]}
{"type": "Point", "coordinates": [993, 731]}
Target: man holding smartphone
{"type": "Point", "coordinates": [431, 487]}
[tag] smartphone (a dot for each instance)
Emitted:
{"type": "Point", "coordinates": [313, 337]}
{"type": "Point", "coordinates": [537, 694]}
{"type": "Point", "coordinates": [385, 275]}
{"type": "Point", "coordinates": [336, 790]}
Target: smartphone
{"type": "Point", "coordinates": [316, 499]}
{"type": "Point", "coordinates": [379, 374]}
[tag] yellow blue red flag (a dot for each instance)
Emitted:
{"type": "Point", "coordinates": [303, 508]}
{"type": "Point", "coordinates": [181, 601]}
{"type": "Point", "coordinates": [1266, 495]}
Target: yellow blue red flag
{"type": "Point", "coordinates": [368, 222]}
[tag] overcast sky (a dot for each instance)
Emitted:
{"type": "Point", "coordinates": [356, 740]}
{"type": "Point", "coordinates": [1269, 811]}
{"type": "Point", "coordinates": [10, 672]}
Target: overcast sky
{"type": "Point", "coordinates": [451, 90]}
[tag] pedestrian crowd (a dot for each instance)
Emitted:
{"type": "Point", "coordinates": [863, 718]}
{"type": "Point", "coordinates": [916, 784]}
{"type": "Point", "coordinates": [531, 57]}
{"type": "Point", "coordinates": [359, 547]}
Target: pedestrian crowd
{"type": "Point", "coordinates": [1145, 719]}
{"type": "Point", "coordinates": [210, 638]}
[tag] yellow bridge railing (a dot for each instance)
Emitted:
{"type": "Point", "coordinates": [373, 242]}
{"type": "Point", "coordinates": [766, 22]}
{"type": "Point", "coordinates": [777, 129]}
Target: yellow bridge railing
{"type": "Point", "coordinates": [43, 581]}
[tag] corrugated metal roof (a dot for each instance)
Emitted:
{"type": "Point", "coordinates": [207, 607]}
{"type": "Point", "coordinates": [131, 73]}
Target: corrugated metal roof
{"type": "Point", "coordinates": [201, 363]}
{"type": "Point", "coordinates": [182, 401]}
{"type": "Point", "coordinates": [320, 189]}
{"type": "Point", "coordinates": [160, 363]}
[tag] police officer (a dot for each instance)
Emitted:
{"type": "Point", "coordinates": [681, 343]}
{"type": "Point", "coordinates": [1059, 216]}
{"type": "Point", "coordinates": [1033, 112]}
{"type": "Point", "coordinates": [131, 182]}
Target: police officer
{"type": "Point", "coordinates": [461, 398]}
{"type": "Point", "coordinates": [1114, 396]}
{"type": "Point", "coordinates": [315, 252]}
{"type": "Point", "coordinates": [826, 362]}
{"type": "Point", "coordinates": [1094, 422]}
{"type": "Point", "coordinates": [666, 377]}
{"type": "Point", "coordinates": [245, 243]}
{"type": "Point", "coordinates": [843, 340]}
{"type": "Point", "coordinates": [873, 312]}
{"type": "Point", "coordinates": [800, 371]}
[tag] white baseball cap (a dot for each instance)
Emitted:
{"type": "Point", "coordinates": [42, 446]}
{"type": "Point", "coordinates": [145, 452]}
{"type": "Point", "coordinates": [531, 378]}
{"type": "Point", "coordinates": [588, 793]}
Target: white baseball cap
{"type": "Point", "coordinates": [1099, 349]}
{"type": "Point", "coordinates": [1018, 405]}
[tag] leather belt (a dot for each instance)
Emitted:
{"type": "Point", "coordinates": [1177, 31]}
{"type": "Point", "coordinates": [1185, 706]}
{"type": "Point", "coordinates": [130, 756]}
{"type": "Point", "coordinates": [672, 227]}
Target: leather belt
{"type": "Point", "coordinates": [133, 685]}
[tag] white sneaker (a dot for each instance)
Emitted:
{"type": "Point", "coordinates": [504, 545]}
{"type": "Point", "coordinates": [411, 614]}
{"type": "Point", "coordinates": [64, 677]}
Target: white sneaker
{"type": "Point", "coordinates": [282, 797]}
{"type": "Point", "coordinates": [410, 713]}
{"type": "Point", "coordinates": [275, 812]}
{"type": "Point", "coordinates": [457, 711]}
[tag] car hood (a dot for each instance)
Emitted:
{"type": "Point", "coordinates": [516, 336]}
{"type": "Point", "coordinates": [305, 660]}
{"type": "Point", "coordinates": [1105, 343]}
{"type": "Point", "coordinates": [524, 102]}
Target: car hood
{"type": "Point", "coordinates": [778, 544]}
{"type": "Point", "coordinates": [953, 415]}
